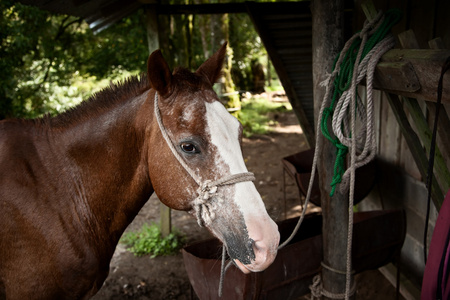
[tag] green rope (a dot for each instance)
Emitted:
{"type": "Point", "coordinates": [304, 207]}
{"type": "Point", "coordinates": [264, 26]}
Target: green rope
{"type": "Point", "coordinates": [342, 83]}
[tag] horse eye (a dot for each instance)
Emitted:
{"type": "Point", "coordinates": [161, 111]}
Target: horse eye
{"type": "Point", "coordinates": [189, 148]}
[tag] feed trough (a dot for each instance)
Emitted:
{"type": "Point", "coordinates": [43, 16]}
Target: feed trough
{"type": "Point", "coordinates": [378, 238]}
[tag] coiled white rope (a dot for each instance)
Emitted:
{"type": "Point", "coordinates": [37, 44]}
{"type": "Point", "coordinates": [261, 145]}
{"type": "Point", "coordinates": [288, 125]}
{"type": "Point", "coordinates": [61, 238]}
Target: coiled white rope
{"type": "Point", "coordinates": [362, 69]}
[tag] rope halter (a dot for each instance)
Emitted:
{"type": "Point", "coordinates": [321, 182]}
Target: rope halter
{"type": "Point", "coordinates": [203, 205]}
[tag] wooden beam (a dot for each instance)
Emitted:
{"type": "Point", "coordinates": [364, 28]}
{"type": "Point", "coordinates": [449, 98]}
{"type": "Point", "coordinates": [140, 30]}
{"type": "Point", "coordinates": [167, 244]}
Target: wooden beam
{"type": "Point", "coordinates": [413, 73]}
{"type": "Point", "coordinates": [436, 43]}
{"type": "Point", "coordinates": [408, 40]}
{"type": "Point", "coordinates": [240, 7]}
{"type": "Point", "coordinates": [151, 23]}
{"type": "Point", "coordinates": [151, 19]}
{"type": "Point", "coordinates": [328, 40]}
{"type": "Point", "coordinates": [398, 76]}
{"type": "Point", "coordinates": [165, 218]}
{"type": "Point", "coordinates": [201, 9]}
{"type": "Point", "coordinates": [415, 147]}
{"type": "Point", "coordinates": [442, 174]}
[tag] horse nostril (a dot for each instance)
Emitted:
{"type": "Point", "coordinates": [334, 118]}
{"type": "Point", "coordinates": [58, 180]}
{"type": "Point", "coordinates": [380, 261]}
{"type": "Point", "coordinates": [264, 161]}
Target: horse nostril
{"type": "Point", "coordinates": [260, 249]}
{"type": "Point", "coordinates": [251, 245]}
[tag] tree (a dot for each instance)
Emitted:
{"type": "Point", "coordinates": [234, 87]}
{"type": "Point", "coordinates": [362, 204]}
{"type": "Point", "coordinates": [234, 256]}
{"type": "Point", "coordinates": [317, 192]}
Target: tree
{"type": "Point", "coordinates": [17, 51]}
{"type": "Point", "coordinates": [45, 58]}
{"type": "Point", "coordinates": [51, 62]}
{"type": "Point", "coordinates": [247, 48]}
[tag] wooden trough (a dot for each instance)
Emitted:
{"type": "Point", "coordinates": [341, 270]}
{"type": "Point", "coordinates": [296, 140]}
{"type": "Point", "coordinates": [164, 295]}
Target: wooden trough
{"type": "Point", "coordinates": [377, 239]}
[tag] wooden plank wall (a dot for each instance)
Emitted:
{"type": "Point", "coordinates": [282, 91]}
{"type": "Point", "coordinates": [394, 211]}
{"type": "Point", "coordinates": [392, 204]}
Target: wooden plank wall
{"type": "Point", "coordinates": [400, 184]}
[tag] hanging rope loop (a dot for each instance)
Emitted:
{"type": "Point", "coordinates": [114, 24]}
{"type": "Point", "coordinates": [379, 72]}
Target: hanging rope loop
{"type": "Point", "coordinates": [335, 84]}
{"type": "Point", "coordinates": [356, 61]}
{"type": "Point", "coordinates": [317, 290]}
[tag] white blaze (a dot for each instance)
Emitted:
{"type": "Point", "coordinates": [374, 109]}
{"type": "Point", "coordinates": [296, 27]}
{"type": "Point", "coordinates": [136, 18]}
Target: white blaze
{"type": "Point", "coordinates": [224, 131]}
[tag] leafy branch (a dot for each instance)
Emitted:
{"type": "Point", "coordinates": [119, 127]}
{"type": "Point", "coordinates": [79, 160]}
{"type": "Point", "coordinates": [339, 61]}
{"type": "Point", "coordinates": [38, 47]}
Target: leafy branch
{"type": "Point", "coordinates": [61, 30]}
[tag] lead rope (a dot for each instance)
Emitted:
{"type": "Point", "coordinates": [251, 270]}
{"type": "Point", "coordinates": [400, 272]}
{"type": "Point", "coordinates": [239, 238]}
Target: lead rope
{"type": "Point", "coordinates": [369, 60]}
{"type": "Point", "coordinates": [364, 66]}
{"type": "Point", "coordinates": [204, 209]}
{"type": "Point", "coordinates": [362, 69]}
{"type": "Point", "coordinates": [366, 69]}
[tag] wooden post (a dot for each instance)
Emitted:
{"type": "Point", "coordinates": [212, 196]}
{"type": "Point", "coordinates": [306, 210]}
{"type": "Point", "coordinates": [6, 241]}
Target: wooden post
{"type": "Point", "coordinates": [328, 40]}
{"type": "Point", "coordinates": [415, 141]}
{"type": "Point", "coordinates": [151, 20]}
{"type": "Point", "coordinates": [408, 40]}
{"type": "Point", "coordinates": [153, 44]}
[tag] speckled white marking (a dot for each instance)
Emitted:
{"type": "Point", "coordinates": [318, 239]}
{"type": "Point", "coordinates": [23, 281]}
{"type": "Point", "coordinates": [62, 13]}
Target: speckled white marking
{"type": "Point", "coordinates": [189, 112]}
{"type": "Point", "coordinates": [224, 131]}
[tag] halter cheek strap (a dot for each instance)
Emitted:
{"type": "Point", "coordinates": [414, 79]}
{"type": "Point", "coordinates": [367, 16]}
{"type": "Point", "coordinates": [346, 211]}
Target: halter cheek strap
{"type": "Point", "coordinates": [202, 205]}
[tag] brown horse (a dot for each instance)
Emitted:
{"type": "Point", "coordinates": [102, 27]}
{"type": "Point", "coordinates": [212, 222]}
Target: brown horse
{"type": "Point", "coordinates": [70, 185]}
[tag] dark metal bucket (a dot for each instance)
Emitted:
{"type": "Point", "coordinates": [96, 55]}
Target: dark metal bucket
{"type": "Point", "coordinates": [298, 166]}
{"type": "Point", "coordinates": [377, 238]}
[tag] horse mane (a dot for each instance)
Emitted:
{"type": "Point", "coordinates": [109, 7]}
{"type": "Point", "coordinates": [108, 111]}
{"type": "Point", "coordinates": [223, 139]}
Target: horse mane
{"type": "Point", "coordinates": [107, 98]}
{"type": "Point", "coordinates": [184, 78]}
{"type": "Point", "coordinates": [117, 93]}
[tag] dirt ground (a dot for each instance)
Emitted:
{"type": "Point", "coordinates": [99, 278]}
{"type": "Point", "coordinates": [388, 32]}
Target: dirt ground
{"type": "Point", "coordinates": [165, 277]}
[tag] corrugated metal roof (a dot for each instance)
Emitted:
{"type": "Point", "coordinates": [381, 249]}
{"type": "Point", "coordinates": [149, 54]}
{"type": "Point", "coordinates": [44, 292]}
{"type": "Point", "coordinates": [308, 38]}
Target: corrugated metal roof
{"type": "Point", "coordinates": [100, 14]}
{"type": "Point", "coordinates": [287, 37]}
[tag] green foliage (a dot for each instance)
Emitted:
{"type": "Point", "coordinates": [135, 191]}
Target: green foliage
{"type": "Point", "coordinates": [120, 47]}
{"type": "Point", "coordinates": [254, 115]}
{"type": "Point", "coordinates": [150, 241]}
{"type": "Point", "coordinates": [247, 50]}
{"type": "Point", "coordinates": [50, 62]}
{"type": "Point", "coordinates": [275, 86]}
{"type": "Point", "coordinates": [189, 40]}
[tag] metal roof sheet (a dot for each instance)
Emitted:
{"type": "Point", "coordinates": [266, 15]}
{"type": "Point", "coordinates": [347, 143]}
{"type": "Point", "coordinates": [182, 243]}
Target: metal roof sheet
{"type": "Point", "coordinates": [100, 14]}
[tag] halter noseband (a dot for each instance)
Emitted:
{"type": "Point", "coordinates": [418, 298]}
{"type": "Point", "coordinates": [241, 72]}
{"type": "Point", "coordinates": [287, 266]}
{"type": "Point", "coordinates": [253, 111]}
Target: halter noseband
{"type": "Point", "coordinates": [203, 208]}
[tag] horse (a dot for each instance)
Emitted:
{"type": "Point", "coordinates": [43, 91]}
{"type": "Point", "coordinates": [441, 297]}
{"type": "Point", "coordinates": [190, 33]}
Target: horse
{"type": "Point", "coordinates": [71, 184]}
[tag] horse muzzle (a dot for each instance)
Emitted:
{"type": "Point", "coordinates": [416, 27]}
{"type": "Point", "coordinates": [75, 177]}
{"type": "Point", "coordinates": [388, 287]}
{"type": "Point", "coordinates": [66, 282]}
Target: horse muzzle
{"type": "Point", "coordinates": [261, 249]}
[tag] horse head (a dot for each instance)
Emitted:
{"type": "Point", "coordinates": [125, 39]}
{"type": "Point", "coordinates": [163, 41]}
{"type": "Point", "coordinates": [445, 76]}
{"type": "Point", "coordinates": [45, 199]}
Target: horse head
{"type": "Point", "coordinates": [197, 163]}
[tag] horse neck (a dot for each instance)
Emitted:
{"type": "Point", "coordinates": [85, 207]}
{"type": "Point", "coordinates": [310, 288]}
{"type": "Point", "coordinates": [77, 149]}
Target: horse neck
{"type": "Point", "coordinates": [106, 157]}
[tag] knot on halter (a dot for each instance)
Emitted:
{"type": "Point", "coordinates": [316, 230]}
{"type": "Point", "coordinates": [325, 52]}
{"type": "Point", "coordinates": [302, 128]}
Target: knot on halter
{"type": "Point", "coordinates": [202, 205]}
{"type": "Point", "coordinates": [206, 190]}
{"type": "Point", "coordinates": [206, 202]}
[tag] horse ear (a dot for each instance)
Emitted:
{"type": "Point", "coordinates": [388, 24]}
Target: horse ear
{"type": "Point", "coordinates": [212, 67]}
{"type": "Point", "coordinates": [159, 74]}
